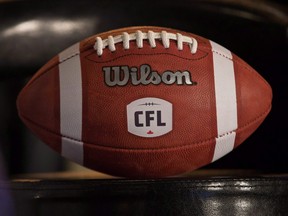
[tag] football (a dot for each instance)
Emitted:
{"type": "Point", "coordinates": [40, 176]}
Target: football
{"type": "Point", "coordinates": [144, 102]}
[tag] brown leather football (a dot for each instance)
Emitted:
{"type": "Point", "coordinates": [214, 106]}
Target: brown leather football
{"type": "Point", "coordinates": [145, 102]}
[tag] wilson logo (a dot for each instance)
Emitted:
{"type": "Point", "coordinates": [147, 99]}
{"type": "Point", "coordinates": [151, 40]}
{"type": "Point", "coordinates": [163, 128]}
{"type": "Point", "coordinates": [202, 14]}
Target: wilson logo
{"type": "Point", "coordinates": [149, 117]}
{"type": "Point", "coordinates": [122, 75]}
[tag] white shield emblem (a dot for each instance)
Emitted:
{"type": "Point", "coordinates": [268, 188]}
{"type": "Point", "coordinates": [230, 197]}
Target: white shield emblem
{"type": "Point", "coordinates": [149, 117]}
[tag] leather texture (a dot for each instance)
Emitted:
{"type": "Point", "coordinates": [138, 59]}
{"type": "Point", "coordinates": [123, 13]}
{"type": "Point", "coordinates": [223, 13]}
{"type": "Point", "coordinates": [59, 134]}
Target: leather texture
{"type": "Point", "coordinates": [265, 196]}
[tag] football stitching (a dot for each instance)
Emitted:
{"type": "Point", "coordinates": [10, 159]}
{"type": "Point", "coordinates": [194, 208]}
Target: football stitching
{"type": "Point", "coordinates": [91, 40]}
{"type": "Point", "coordinates": [139, 36]}
{"type": "Point", "coordinates": [188, 59]}
{"type": "Point", "coordinates": [158, 149]}
{"type": "Point", "coordinates": [71, 56]}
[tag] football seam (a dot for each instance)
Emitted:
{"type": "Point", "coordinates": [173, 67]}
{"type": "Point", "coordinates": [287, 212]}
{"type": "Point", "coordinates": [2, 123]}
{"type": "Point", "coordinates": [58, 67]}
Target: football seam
{"type": "Point", "coordinates": [256, 119]}
{"type": "Point", "coordinates": [66, 59]}
{"type": "Point", "coordinates": [160, 53]}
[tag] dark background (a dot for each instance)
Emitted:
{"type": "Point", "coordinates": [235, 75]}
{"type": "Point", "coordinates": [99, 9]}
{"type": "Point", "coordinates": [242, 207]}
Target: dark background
{"type": "Point", "coordinates": [32, 32]}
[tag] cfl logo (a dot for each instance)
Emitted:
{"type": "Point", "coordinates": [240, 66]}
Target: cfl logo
{"type": "Point", "coordinates": [149, 117]}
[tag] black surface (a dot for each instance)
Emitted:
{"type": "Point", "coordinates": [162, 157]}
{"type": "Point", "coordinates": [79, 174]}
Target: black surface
{"type": "Point", "coordinates": [263, 196]}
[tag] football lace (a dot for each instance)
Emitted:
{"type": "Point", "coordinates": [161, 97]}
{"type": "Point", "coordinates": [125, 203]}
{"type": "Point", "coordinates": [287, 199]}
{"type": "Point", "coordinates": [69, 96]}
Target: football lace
{"type": "Point", "coordinates": [139, 36]}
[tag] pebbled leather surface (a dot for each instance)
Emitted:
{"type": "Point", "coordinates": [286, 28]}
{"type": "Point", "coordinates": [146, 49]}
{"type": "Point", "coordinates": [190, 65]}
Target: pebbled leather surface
{"type": "Point", "coordinates": [176, 196]}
